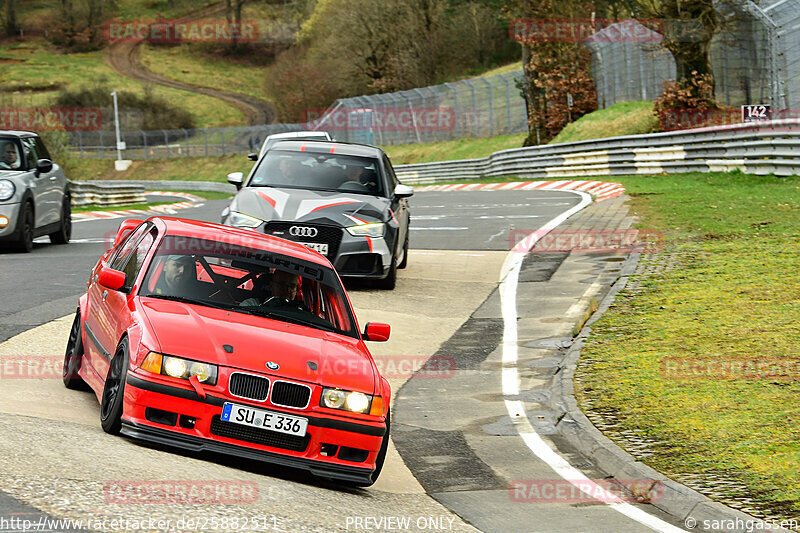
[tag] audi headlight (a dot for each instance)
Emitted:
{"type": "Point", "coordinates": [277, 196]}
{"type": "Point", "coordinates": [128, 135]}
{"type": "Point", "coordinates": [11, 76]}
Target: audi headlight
{"type": "Point", "coordinates": [240, 220]}
{"type": "Point", "coordinates": [355, 402]}
{"type": "Point", "coordinates": [7, 190]}
{"type": "Point", "coordinates": [176, 367]}
{"type": "Point", "coordinates": [367, 230]}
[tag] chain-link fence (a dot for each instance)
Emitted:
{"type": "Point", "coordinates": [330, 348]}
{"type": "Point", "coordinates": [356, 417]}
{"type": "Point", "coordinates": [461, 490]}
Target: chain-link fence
{"type": "Point", "coordinates": [478, 107]}
{"type": "Point", "coordinates": [755, 58]}
{"type": "Point", "coordinates": [176, 143]}
{"type": "Point", "coordinates": [625, 70]}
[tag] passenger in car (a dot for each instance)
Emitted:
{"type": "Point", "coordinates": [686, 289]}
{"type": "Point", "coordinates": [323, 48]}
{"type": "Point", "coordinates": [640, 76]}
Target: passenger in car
{"type": "Point", "coordinates": [179, 277]}
{"type": "Point", "coordinates": [8, 152]}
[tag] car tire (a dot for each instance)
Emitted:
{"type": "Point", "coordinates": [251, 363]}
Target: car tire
{"type": "Point", "coordinates": [64, 233]}
{"type": "Point", "coordinates": [114, 391]}
{"type": "Point", "coordinates": [388, 283]}
{"type": "Point", "coordinates": [404, 262]}
{"type": "Point", "coordinates": [72, 358]}
{"type": "Point", "coordinates": [24, 241]}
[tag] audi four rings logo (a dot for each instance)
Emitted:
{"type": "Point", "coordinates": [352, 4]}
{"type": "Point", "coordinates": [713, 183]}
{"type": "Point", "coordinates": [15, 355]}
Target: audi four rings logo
{"type": "Point", "coordinates": [303, 231]}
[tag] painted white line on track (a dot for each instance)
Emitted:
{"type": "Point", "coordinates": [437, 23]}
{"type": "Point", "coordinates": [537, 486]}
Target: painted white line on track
{"type": "Point", "coordinates": [440, 229]}
{"type": "Point", "coordinates": [509, 279]}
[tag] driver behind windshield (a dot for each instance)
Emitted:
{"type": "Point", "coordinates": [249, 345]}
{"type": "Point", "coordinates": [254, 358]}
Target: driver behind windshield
{"type": "Point", "coordinates": [9, 155]}
{"type": "Point", "coordinates": [283, 289]}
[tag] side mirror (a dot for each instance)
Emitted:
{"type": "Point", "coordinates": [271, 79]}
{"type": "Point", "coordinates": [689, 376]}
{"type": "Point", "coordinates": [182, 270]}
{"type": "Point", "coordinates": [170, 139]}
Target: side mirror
{"type": "Point", "coordinates": [113, 279]}
{"type": "Point", "coordinates": [403, 191]}
{"type": "Point", "coordinates": [43, 166]}
{"type": "Point", "coordinates": [377, 332]}
{"type": "Point", "coordinates": [236, 178]}
{"type": "Point", "coordinates": [124, 230]}
{"type": "Point", "coordinates": [252, 157]}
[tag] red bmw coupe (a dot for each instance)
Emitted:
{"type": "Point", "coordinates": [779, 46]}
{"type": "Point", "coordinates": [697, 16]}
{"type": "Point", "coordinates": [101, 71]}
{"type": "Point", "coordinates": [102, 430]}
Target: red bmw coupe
{"type": "Point", "coordinates": [211, 338]}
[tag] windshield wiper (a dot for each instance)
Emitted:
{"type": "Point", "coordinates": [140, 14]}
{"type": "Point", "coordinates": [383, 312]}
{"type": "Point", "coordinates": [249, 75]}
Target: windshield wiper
{"type": "Point", "coordinates": [260, 311]}
{"type": "Point", "coordinates": [186, 300]}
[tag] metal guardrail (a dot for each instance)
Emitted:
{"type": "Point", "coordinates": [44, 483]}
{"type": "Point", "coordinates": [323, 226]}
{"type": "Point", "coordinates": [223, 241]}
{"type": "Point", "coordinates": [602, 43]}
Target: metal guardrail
{"type": "Point", "coordinates": [758, 148]}
{"type": "Point", "coordinates": [106, 194]}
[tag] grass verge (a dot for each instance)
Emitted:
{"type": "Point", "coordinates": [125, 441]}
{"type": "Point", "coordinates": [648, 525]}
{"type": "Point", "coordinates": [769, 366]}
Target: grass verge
{"type": "Point", "coordinates": [626, 118]}
{"type": "Point", "coordinates": [189, 64]}
{"type": "Point", "coordinates": [730, 299]}
{"type": "Point", "coordinates": [36, 63]}
{"type": "Point", "coordinates": [189, 169]}
{"type": "Point", "coordinates": [405, 154]}
{"type": "Point", "coordinates": [206, 195]}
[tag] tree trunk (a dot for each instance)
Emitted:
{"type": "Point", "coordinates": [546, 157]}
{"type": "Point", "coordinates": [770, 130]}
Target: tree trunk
{"type": "Point", "coordinates": [10, 22]}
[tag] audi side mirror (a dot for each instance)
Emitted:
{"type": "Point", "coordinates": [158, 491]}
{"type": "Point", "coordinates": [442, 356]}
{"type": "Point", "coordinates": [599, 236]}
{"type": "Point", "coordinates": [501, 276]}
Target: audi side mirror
{"type": "Point", "coordinates": [403, 191]}
{"type": "Point", "coordinates": [236, 178]}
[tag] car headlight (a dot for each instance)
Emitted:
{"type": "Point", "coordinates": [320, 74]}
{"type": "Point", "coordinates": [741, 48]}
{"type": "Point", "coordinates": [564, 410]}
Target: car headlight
{"type": "Point", "coordinates": [7, 190]}
{"type": "Point", "coordinates": [367, 230]}
{"type": "Point", "coordinates": [355, 402]}
{"type": "Point", "coordinates": [176, 367]}
{"type": "Point", "coordinates": [240, 220]}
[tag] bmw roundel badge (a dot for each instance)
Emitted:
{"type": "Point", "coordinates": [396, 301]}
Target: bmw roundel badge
{"type": "Point", "coordinates": [273, 366]}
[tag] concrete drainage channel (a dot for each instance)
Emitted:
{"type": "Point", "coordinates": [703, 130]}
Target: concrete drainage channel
{"type": "Point", "coordinates": [461, 444]}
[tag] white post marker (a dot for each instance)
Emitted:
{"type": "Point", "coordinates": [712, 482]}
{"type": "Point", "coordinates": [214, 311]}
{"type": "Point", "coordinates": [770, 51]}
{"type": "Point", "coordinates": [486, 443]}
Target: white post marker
{"type": "Point", "coordinates": [119, 164]}
{"type": "Point", "coordinates": [509, 279]}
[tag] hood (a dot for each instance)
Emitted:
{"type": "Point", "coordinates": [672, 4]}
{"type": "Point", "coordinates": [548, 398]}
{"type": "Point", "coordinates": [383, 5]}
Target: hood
{"type": "Point", "coordinates": [199, 333]}
{"type": "Point", "coordinates": [302, 205]}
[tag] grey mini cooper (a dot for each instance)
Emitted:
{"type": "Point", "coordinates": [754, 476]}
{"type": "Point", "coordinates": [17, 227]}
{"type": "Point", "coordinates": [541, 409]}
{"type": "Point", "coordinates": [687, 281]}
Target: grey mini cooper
{"type": "Point", "coordinates": [34, 193]}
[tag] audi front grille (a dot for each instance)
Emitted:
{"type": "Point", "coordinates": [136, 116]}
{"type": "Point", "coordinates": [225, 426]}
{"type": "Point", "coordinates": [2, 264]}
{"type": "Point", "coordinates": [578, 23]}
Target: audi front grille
{"type": "Point", "coordinates": [330, 235]}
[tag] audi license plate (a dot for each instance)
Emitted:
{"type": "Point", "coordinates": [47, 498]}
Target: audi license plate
{"type": "Point", "coordinates": [321, 247]}
{"type": "Point", "coordinates": [259, 418]}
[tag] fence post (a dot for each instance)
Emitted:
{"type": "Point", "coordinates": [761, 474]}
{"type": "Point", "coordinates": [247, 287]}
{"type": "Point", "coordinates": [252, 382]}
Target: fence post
{"type": "Point", "coordinates": [144, 142]}
{"type": "Point", "coordinates": [508, 103]}
{"type": "Point", "coordinates": [491, 114]}
{"type": "Point", "coordinates": [80, 142]}
{"type": "Point", "coordinates": [474, 108]}
{"type": "Point", "coordinates": [205, 139]}
{"type": "Point", "coordinates": [455, 107]}
{"type": "Point", "coordinates": [186, 136]}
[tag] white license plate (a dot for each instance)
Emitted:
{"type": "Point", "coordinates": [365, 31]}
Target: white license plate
{"type": "Point", "coordinates": [321, 247]}
{"type": "Point", "coordinates": [259, 418]}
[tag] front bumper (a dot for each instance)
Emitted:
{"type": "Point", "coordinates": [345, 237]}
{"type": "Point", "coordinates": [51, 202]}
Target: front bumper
{"type": "Point", "coordinates": [11, 212]}
{"type": "Point", "coordinates": [143, 396]}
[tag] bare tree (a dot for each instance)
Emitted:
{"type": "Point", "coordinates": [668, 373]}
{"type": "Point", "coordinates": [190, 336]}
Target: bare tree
{"type": "Point", "coordinates": [10, 25]}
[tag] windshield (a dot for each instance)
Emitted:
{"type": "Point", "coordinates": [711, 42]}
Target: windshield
{"type": "Point", "coordinates": [307, 170]}
{"type": "Point", "coordinates": [10, 154]}
{"type": "Point", "coordinates": [250, 281]}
